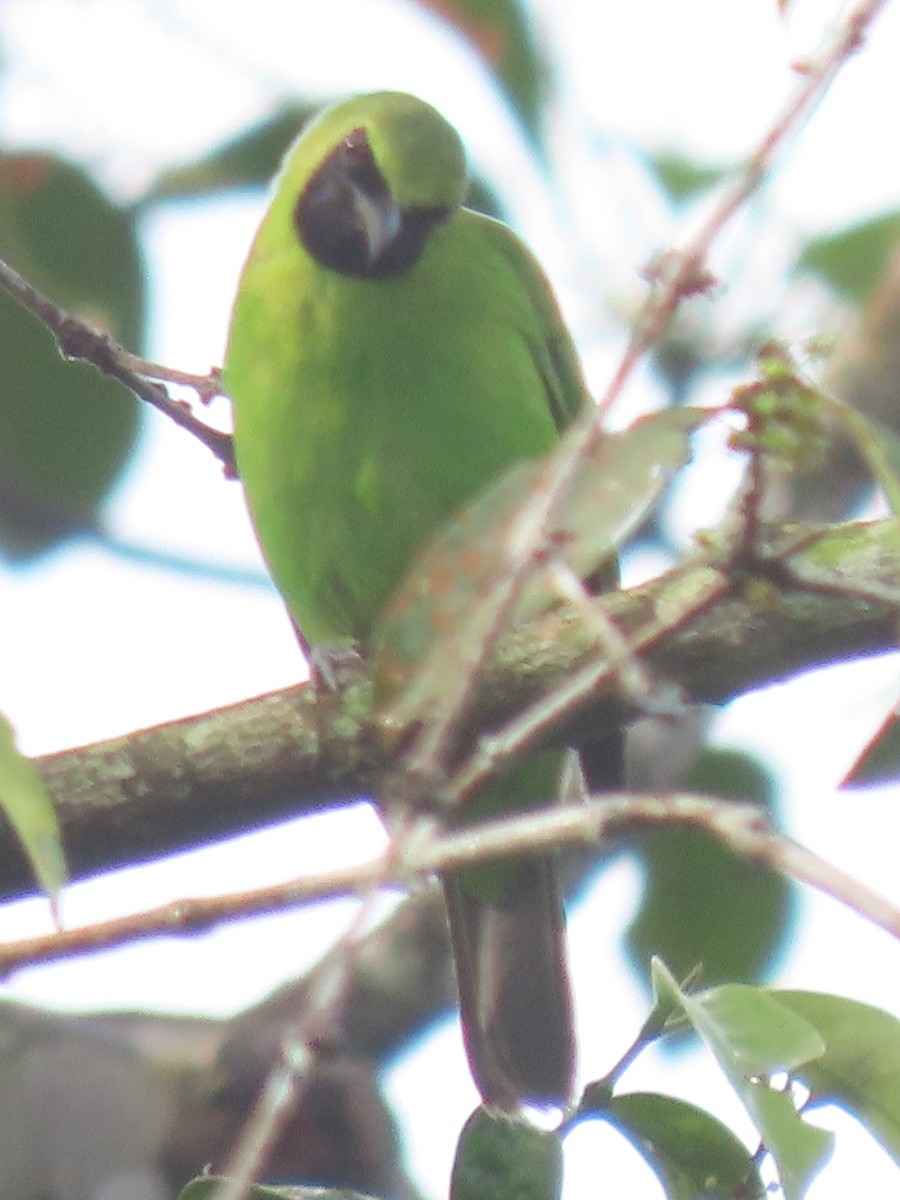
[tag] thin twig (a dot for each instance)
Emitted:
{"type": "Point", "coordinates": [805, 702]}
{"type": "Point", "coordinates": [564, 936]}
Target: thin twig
{"type": "Point", "coordinates": [643, 688]}
{"type": "Point", "coordinates": [707, 585]}
{"type": "Point", "coordinates": [78, 340]}
{"type": "Point", "coordinates": [190, 915]}
{"type": "Point", "coordinates": [813, 577]}
{"type": "Point", "coordinates": [679, 275]}
{"type": "Point", "coordinates": [302, 1044]}
{"type": "Point", "coordinates": [743, 827]}
{"type": "Point", "coordinates": [683, 273]}
{"type": "Point", "coordinates": [318, 1030]}
{"type": "Point", "coordinates": [686, 274]}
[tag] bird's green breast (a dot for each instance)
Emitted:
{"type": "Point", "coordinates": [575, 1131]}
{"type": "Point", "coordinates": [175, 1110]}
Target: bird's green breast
{"type": "Point", "coordinates": [366, 411]}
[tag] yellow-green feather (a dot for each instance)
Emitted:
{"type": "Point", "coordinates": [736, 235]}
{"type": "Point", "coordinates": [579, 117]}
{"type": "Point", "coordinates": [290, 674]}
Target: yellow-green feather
{"type": "Point", "coordinates": [365, 412]}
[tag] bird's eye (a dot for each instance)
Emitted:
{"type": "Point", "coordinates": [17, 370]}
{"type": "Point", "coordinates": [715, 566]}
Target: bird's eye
{"type": "Point", "coordinates": [337, 207]}
{"type": "Point", "coordinates": [347, 219]}
{"type": "Point", "coordinates": [359, 164]}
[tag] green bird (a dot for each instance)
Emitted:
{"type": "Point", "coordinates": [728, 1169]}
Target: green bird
{"type": "Point", "coordinates": [391, 352]}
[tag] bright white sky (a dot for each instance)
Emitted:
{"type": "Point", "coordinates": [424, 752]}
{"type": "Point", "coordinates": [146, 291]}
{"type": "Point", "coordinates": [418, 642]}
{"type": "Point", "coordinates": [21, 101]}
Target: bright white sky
{"type": "Point", "coordinates": [92, 647]}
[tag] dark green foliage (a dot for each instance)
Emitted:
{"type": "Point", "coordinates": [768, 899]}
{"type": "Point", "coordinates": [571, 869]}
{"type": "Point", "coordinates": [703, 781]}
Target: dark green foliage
{"type": "Point", "coordinates": [65, 432]}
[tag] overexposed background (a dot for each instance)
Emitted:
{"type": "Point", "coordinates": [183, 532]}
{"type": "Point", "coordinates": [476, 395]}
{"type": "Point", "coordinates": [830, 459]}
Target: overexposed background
{"type": "Point", "coordinates": [92, 646]}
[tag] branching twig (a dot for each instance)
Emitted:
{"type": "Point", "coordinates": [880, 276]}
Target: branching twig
{"type": "Point", "coordinates": [743, 827]}
{"type": "Point", "coordinates": [318, 1031]}
{"type": "Point", "coordinates": [78, 340]}
{"type": "Point", "coordinates": [313, 1036]}
{"type": "Point", "coordinates": [683, 273]}
{"type": "Point", "coordinates": [512, 741]}
{"type": "Point", "coordinates": [679, 275]}
{"type": "Point", "coordinates": [206, 777]}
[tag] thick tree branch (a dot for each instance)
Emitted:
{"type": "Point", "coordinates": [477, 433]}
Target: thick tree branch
{"type": "Point", "coordinates": [206, 777]}
{"type": "Point", "coordinates": [199, 779]}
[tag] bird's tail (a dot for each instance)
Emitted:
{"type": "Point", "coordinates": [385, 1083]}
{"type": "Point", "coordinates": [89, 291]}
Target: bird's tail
{"type": "Point", "coordinates": [514, 994]}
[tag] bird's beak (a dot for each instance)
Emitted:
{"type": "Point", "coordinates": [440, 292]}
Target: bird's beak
{"type": "Point", "coordinates": [381, 220]}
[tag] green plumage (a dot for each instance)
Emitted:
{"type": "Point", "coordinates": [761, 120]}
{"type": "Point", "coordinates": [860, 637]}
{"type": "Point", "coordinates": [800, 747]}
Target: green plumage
{"type": "Point", "coordinates": [390, 353]}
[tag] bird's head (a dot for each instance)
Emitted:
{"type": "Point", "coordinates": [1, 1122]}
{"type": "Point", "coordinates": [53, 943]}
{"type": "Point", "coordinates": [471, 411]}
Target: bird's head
{"type": "Point", "coordinates": [374, 175]}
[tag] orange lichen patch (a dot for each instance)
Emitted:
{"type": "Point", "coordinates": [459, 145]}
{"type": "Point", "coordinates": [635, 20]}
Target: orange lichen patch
{"type": "Point", "coordinates": [444, 624]}
{"type": "Point", "coordinates": [474, 564]}
{"type": "Point", "coordinates": [441, 580]}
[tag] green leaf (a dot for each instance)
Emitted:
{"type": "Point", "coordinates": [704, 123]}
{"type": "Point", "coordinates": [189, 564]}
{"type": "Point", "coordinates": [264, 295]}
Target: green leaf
{"type": "Point", "coordinates": [422, 637]}
{"type": "Point", "coordinates": [791, 420]}
{"type": "Point", "coordinates": [682, 178]}
{"type": "Point", "coordinates": [702, 903]}
{"type": "Point", "coordinates": [800, 1150]}
{"type": "Point", "coordinates": [502, 33]}
{"type": "Point", "coordinates": [252, 158]}
{"type": "Point", "coordinates": [500, 1156]}
{"type": "Point", "coordinates": [30, 811]}
{"type": "Point", "coordinates": [204, 1187]}
{"type": "Point", "coordinates": [877, 443]}
{"type": "Point", "coordinates": [859, 1068]}
{"type": "Point", "coordinates": [65, 431]}
{"type": "Point", "coordinates": [879, 762]}
{"type": "Point", "coordinates": [691, 1152]}
{"type": "Point", "coordinates": [854, 260]}
{"type": "Point", "coordinates": [753, 1036]}
{"type": "Point", "coordinates": [246, 161]}
{"type": "Point", "coordinates": [788, 419]}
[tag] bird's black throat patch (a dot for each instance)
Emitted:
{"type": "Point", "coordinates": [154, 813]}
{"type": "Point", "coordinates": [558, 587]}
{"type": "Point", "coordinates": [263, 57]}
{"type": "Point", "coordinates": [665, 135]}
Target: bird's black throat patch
{"type": "Point", "coordinates": [330, 216]}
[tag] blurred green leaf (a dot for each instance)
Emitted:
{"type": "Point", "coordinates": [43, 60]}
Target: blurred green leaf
{"type": "Point", "coordinates": [682, 178]}
{"type": "Point", "coordinates": [436, 614]}
{"type": "Point", "coordinates": [483, 199]}
{"type": "Point", "coordinates": [879, 763]}
{"type": "Point", "coordinates": [65, 431]}
{"type": "Point", "coordinates": [787, 416]}
{"type": "Point", "coordinates": [793, 421]}
{"type": "Point", "coordinates": [691, 1152]}
{"type": "Point", "coordinates": [502, 33]}
{"type": "Point", "coordinates": [500, 1156]}
{"type": "Point", "coordinates": [30, 811]}
{"type": "Point", "coordinates": [702, 903]}
{"type": "Point", "coordinates": [251, 160]}
{"type": "Point", "coordinates": [878, 445]}
{"type": "Point", "coordinates": [753, 1036]}
{"type": "Point", "coordinates": [854, 260]}
{"type": "Point", "coordinates": [799, 1149]}
{"type": "Point", "coordinates": [246, 161]}
{"type": "Point", "coordinates": [859, 1068]}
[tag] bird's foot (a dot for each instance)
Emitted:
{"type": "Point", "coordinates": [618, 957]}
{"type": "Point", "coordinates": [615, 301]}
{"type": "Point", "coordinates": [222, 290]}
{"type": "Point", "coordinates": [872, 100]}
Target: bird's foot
{"type": "Point", "coordinates": [333, 667]}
